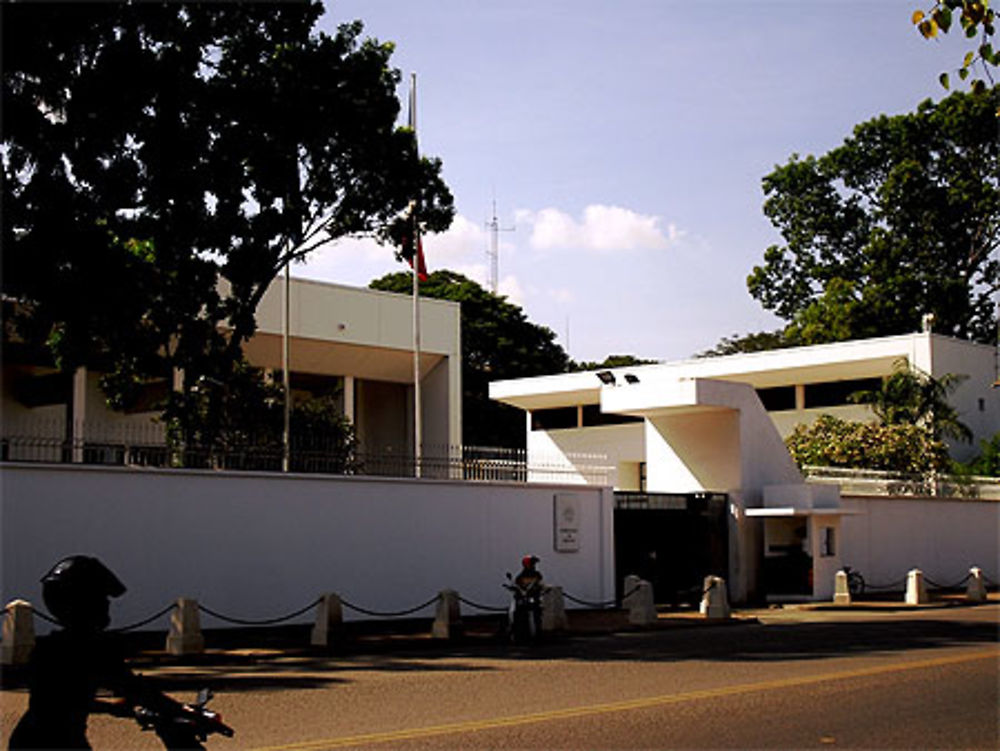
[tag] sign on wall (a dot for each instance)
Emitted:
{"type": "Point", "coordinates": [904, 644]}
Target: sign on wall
{"type": "Point", "coordinates": [567, 517]}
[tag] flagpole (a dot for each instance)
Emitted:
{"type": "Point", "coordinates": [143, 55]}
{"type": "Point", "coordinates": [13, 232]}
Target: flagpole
{"type": "Point", "coordinates": [418, 433]}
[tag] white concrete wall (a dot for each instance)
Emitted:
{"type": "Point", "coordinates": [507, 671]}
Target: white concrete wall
{"type": "Point", "coordinates": [578, 450]}
{"type": "Point", "coordinates": [258, 546]}
{"type": "Point", "coordinates": [943, 538]}
{"type": "Point", "coordinates": [975, 399]}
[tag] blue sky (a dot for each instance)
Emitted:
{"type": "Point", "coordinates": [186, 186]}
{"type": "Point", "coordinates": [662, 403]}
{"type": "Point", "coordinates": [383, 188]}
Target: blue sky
{"type": "Point", "coordinates": [625, 142]}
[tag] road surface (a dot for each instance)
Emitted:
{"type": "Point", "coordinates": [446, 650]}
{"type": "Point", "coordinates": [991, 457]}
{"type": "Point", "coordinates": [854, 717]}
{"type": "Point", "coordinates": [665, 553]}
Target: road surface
{"type": "Point", "coordinates": [925, 678]}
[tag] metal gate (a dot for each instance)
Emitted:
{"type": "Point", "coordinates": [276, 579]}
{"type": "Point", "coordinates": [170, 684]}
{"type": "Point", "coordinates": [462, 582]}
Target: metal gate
{"type": "Point", "coordinates": [671, 540]}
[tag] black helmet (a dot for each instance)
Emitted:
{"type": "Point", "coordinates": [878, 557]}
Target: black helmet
{"type": "Point", "coordinates": [76, 590]}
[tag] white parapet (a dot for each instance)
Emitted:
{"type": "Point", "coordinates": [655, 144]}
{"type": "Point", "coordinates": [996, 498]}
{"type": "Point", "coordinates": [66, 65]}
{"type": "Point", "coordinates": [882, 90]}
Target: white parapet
{"type": "Point", "coordinates": [553, 610]}
{"type": "Point", "coordinates": [714, 600]}
{"type": "Point", "coordinates": [841, 589]}
{"type": "Point", "coordinates": [329, 621]}
{"type": "Point", "coordinates": [448, 619]}
{"type": "Point", "coordinates": [975, 591]}
{"type": "Point", "coordinates": [916, 588]}
{"type": "Point", "coordinates": [185, 637]}
{"type": "Point", "coordinates": [18, 633]}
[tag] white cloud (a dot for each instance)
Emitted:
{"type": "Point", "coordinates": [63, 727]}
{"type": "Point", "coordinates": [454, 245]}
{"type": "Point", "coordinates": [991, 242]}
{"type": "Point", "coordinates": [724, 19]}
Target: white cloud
{"type": "Point", "coordinates": [601, 228]}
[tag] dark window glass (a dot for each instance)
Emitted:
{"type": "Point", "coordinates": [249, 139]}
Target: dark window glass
{"type": "Point", "coordinates": [836, 393]}
{"type": "Point", "coordinates": [592, 415]}
{"type": "Point", "coordinates": [777, 398]}
{"type": "Point", "coordinates": [553, 419]}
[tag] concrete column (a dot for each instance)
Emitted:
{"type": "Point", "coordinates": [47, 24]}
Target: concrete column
{"type": "Point", "coordinates": [448, 619]}
{"type": "Point", "coordinates": [553, 610]}
{"type": "Point", "coordinates": [185, 637]}
{"type": "Point", "coordinates": [641, 607]}
{"type": "Point", "coordinates": [841, 589]}
{"type": "Point", "coordinates": [18, 633]}
{"type": "Point", "coordinates": [76, 413]}
{"type": "Point", "coordinates": [916, 589]}
{"type": "Point", "coordinates": [975, 591]}
{"type": "Point", "coordinates": [714, 601]}
{"type": "Point", "coordinates": [329, 621]}
{"type": "Point", "coordinates": [349, 407]}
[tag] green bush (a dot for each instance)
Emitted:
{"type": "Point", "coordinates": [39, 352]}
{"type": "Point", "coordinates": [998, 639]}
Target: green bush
{"type": "Point", "coordinates": [831, 442]}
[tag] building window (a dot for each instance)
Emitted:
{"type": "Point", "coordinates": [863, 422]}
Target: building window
{"type": "Point", "coordinates": [558, 418]}
{"type": "Point", "coordinates": [828, 542]}
{"type": "Point", "coordinates": [642, 477]}
{"type": "Point", "coordinates": [778, 398]}
{"type": "Point", "coordinates": [592, 415]}
{"type": "Point", "coordinates": [837, 393]}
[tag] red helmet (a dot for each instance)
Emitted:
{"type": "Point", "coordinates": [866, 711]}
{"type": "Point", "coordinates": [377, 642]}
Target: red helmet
{"type": "Point", "coordinates": [529, 560]}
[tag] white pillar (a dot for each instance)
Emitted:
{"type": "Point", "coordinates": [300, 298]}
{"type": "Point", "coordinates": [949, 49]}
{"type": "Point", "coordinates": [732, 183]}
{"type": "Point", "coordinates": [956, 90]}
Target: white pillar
{"type": "Point", "coordinates": [714, 601]}
{"type": "Point", "coordinates": [329, 621]}
{"type": "Point", "coordinates": [448, 619]}
{"type": "Point", "coordinates": [349, 398]}
{"type": "Point", "coordinates": [18, 633]}
{"type": "Point", "coordinates": [641, 608]}
{"type": "Point", "coordinates": [916, 589]}
{"type": "Point", "coordinates": [841, 589]}
{"type": "Point", "coordinates": [185, 637]}
{"type": "Point", "coordinates": [976, 589]}
{"type": "Point", "coordinates": [553, 610]}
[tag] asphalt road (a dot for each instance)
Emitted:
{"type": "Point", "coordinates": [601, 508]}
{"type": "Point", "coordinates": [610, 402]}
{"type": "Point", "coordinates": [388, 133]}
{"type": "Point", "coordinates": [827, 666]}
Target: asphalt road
{"type": "Point", "coordinates": [799, 679]}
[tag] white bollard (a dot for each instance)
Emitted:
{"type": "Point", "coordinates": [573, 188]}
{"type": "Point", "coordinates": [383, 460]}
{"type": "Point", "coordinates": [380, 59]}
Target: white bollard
{"type": "Point", "coordinates": [18, 633]}
{"type": "Point", "coordinates": [329, 621]}
{"type": "Point", "coordinates": [448, 619]}
{"type": "Point", "coordinates": [553, 610]}
{"type": "Point", "coordinates": [714, 600]}
{"type": "Point", "coordinates": [642, 608]}
{"type": "Point", "coordinates": [916, 589]}
{"type": "Point", "coordinates": [185, 637]}
{"type": "Point", "coordinates": [841, 589]}
{"type": "Point", "coordinates": [630, 588]}
{"type": "Point", "coordinates": [976, 589]}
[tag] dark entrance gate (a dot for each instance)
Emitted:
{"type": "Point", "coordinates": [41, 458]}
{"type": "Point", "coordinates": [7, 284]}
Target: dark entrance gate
{"type": "Point", "coordinates": [672, 541]}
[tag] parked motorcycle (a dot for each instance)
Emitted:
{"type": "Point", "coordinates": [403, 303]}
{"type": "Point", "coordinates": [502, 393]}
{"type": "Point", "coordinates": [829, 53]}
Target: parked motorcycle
{"type": "Point", "coordinates": [524, 616]}
{"type": "Point", "coordinates": [187, 729]}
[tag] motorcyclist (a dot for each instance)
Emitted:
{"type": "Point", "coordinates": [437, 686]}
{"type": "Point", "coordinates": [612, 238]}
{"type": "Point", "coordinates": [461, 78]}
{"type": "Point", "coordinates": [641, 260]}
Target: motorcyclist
{"type": "Point", "coordinates": [70, 665]}
{"type": "Point", "coordinates": [530, 577]}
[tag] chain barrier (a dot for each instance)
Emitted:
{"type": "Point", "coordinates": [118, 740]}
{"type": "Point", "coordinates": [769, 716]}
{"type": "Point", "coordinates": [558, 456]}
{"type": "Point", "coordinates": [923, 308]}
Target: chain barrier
{"type": "Point", "coordinates": [146, 621]}
{"type": "Point", "coordinates": [391, 614]}
{"type": "Point", "coordinates": [601, 605]}
{"type": "Point", "coordinates": [263, 622]}
{"type": "Point", "coordinates": [930, 582]}
{"type": "Point", "coordinates": [896, 585]}
{"type": "Point", "coordinates": [477, 606]}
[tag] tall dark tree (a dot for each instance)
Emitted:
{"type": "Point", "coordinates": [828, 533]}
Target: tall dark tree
{"type": "Point", "coordinates": [901, 220]}
{"type": "Point", "coordinates": [164, 161]}
{"type": "Point", "coordinates": [498, 342]}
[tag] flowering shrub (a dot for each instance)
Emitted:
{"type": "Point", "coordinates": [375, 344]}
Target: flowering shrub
{"type": "Point", "coordinates": [831, 442]}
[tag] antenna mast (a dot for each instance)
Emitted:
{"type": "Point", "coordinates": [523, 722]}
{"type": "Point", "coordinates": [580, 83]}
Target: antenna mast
{"type": "Point", "coordinates": [494, 251]}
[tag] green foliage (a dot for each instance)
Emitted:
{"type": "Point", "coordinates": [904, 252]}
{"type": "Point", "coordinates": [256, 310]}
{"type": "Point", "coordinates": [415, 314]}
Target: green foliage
{"type": "Point", "coordinates": [151, 150]}
{"type": "Point", "coordinates": [831, 442]}
{"type": "Point", "coordinates": [498, 342]}
{"type": "Point", "coordinates": [912, 397]}
{"type": "Point", "coordinates": [760, 341]}
{"type": "Point", "coordinates": [247, 412]}
{"type": "Point", "coordinates": [976, 19]}
{"type": "Point", "coordinates": [901, 220]}
{"type": "Point", "coordinates": [611, 361]}
{"type": "Point", "coordinates": [987, 464]}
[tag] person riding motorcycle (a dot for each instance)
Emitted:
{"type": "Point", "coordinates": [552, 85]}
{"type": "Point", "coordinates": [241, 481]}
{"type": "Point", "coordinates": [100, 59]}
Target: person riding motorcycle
{"type": "Point", "coordinates": [524, 617]}
{"type": "Point", "coordinates": [69, 666]}
{"type": "Point", "coordinates": [530, 577]}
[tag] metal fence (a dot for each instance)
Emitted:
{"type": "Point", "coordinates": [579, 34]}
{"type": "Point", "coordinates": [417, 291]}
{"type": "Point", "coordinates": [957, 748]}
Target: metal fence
{"type": "Point", "coordinates": [866, 482]}
{"type": "Point", "coordinates": [145, 445]}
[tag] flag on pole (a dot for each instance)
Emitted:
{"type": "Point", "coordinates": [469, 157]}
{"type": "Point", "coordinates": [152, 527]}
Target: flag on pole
{"type": "Point", "coordinates": [413, 252]}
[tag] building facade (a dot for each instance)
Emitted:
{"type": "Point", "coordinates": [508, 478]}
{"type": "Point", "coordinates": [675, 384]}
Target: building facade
{"type": "Point", "coordinates": [356, 343]}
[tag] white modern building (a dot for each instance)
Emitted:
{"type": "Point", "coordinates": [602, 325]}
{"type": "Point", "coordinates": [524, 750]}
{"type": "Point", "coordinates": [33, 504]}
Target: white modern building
{"type": "Point", "coordinates": [714, 427]}
{"type": "Point", "coordinates": [354, 342]}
